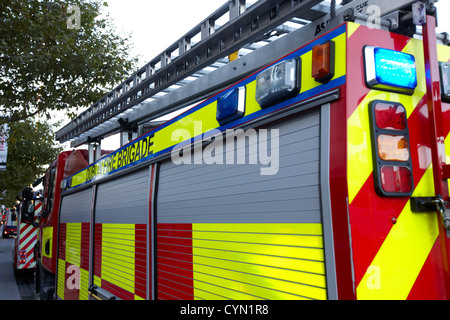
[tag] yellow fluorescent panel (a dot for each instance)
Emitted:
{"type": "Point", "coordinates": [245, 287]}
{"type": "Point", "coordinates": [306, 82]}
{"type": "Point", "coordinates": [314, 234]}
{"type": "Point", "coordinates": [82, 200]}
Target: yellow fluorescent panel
{"type": "Point", "coordinates": [61, 278]}
{"type": "Point", "coordinates": [73, 243]}
{"type": "Point", "coordinates": [118, 255]}
{"type": "Point", "coordinates": [293, 252]}
{"type": "Point", "coordinates": [84, 284]}
{"type": "Point", "coordinates": [296, 240]}
{"type": "Point", "coordinates": [255, 265]}
{"type": "Point", "coordinates": [207, 291]}
{"type": "Point", "coordinates": [297, 264]}
{"type": "Point", "coordinates": [259, 286]}
{"type": "Point", "coordinates": [237, 262]}
{"type": "Point", "coordinates": [97, 281]}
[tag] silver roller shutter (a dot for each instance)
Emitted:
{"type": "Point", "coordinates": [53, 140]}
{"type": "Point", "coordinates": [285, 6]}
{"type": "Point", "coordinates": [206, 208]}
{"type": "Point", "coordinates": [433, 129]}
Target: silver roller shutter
{"type": "Point", "coordinates": [239, 193]}
{"type": "Point", "coordinates": [76, 207]}
{"type": "Point", "coordinates": [123, 200]}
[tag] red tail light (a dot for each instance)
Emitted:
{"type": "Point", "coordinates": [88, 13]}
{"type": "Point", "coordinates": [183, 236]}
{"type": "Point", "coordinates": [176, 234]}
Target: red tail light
{"type": "Point", "coordinates": [390, 116]}
{"type": "Point", "coordinates": [391, 153]}
{"type": "Point", "coordinates": [395, 179]}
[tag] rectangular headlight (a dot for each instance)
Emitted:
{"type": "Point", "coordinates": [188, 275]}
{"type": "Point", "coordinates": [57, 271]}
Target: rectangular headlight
{"type": "Point", "coordinates": [278, 83]}
{"type": "Point", "coordinates": [390, 70]}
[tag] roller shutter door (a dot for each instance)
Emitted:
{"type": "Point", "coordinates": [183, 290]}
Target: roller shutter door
{"type": "Point", "coordinates": [121, 219]}
{"type": "Point", "coordinates": [74, 249]}
{"type": "Point", "coordinates": [226, 231]}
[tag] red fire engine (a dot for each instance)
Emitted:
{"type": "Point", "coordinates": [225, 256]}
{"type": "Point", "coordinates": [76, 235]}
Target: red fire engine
{"type": "Point", "coordinates": [25, 241]}
{"type": "Point", "coordinates": [311, 167]}
{"type": "Point", "coordinates": [46, 250]}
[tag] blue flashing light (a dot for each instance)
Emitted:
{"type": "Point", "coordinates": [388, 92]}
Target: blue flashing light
{"type": "Point", "coordinates": [395, 68]}
{"type": "Point", "coordinates": [390, 70]}
{"type": "Point", "coordinates": [231, 105]}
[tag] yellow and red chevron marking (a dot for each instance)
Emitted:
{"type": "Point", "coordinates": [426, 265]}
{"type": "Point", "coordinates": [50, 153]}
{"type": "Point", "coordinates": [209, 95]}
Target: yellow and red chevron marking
{"type": "Point", "coordinates": [241, 261]}
{"type": "Point", "coordinates": [27, 241]}
{"type": "Point", "coordinates": [396, 254]}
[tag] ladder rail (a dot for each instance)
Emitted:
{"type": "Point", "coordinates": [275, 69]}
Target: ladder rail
{"type": "Point", "coordinates": [259, 18]}
{"type": "Point", "coordinates": [148, 97]}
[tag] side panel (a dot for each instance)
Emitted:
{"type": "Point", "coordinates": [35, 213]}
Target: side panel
{"type": "Point", "coordinates": [74, 251]}
{"type": "Point", "coordinates": [121, 229]}
{"type": "Point", "coordinates": [228, 232]}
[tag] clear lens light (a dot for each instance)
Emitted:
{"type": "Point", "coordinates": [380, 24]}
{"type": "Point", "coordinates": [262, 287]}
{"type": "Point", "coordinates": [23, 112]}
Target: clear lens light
{"type": "Point", "coordinates": [445, 80]}
{"type": "Point", "coordinates": [277, 83]}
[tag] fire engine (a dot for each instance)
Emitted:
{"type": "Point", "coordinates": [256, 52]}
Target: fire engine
{"type": "Point", "coordinates": [28, 212]}
{"type": "Point", "coordinates": [310, 164]}
{"type": "Point", "coordinates": [45, 251]}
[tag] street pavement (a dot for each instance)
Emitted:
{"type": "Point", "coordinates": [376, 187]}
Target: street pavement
{"type": "Point", "coordinates": [8, 284]}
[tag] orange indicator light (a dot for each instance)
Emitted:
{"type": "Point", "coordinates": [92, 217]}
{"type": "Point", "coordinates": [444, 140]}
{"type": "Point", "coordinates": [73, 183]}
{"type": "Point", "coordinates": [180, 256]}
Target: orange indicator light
{"type": "Point", "coordinates": [323, 62]}
{"type": "Point", "coordinates": [393, 148]}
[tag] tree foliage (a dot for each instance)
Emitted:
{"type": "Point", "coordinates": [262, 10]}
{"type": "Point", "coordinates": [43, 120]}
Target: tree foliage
{"type": "Point", "coordinates": [47, 64]}
{"type": "Point", "coordinates": [31, 149]}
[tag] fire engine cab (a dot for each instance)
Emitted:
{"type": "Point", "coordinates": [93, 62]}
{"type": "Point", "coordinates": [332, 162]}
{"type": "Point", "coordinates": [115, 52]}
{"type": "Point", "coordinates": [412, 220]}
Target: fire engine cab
{"type": "Point", "coordinates": [308, 162]}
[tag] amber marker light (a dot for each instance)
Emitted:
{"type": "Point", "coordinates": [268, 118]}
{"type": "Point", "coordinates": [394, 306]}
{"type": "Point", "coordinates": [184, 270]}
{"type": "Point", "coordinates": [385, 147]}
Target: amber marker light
{"type": "Point", "coordinates": [323, 62]}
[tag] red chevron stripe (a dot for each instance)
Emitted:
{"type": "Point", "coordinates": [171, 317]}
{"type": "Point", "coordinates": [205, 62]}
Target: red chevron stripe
{"type": "Point", "coordinates": [30, 243]}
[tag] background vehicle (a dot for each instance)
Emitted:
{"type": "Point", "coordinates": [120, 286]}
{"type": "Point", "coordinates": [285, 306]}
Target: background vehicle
{"type": "Point", "coordinates": [10, 227]}
{"type": "Point", "coordinates": [2, 215]}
